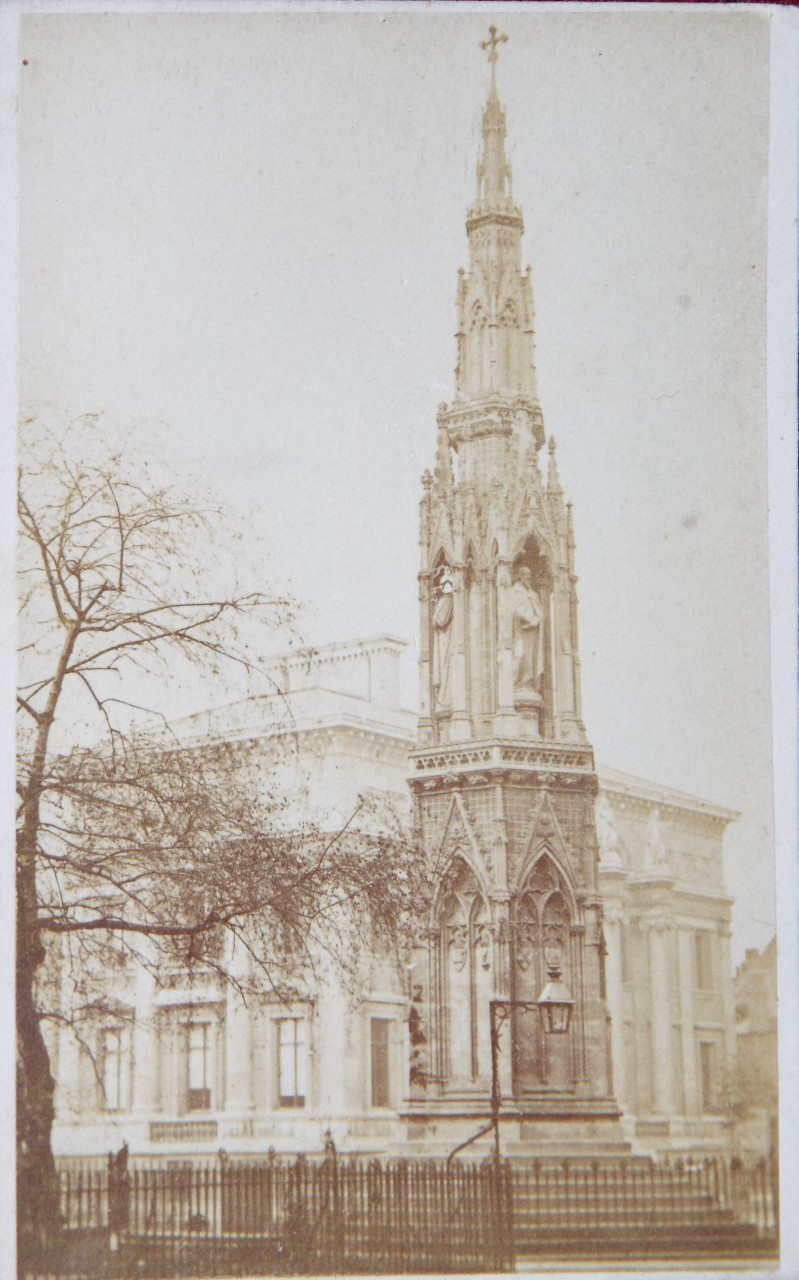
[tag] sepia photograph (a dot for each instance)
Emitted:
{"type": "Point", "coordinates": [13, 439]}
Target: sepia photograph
{"type": "Point", "coordinates": [396, 867]}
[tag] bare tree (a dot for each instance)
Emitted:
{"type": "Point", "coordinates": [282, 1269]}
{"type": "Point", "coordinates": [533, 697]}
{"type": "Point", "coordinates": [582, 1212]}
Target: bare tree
{"type": "Point", "coordinates": [131, 841]}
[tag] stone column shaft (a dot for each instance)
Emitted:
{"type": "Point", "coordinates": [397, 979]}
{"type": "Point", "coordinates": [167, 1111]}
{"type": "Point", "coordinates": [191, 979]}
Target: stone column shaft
{"type": "Point", "coordinates": [460, 724]}
{"type": "Point", "coordinates": [506, 716]}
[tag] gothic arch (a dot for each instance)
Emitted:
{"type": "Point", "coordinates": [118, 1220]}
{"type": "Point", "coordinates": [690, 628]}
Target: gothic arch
{"type": "Point", "coordinates": [441, 557]}
{"type": "Point", "coordinates": [543, 912]}
{"type": "Point", "coordinates": [508, 349]}
{"type": "Point", "coordinates": [464, 965]}
{"type": "Point", "coordinates": [539, 855]}
{"type": "Point", "coordinates": [478, 346]}
{"type": "Point", "coordinates": [535, 551]}
{"type": "Point", "coordinates": [508, 316]}
{"type": "Point", "coordinates": [450, 872]}
{"type": "Point", "coordinates": [478, 317]}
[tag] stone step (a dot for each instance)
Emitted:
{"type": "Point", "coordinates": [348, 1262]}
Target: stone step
{"type": "Point", "coordinates": [540, 1219]}
{"type": "Point", "coordinates": [662, 1196]}
{"type": "Point", "coordinates": [735, 1239]}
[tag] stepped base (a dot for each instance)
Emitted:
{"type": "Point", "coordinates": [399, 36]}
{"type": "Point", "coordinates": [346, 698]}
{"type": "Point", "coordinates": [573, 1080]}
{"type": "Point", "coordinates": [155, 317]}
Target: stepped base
{"type": "Point", "coordinates": [551, 1127]}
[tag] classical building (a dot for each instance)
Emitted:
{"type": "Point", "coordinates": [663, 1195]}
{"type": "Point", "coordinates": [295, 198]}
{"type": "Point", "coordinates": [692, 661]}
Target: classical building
{"type": "Point", "coordinates": [551, 877]}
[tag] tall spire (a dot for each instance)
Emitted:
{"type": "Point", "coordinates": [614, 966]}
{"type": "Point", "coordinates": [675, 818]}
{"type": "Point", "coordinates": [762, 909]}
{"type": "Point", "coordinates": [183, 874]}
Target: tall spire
{"type": "Point", "coordinates": [493, 172]}
{"type": "Point", "coordinates": [495, 299]}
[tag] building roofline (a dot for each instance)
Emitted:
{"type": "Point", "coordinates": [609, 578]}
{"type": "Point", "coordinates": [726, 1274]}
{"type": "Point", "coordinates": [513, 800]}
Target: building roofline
{"type": "Point", "coordinates": [615, 780]}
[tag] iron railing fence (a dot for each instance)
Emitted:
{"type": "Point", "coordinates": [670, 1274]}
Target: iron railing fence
{"type": "Point", "coordinates": [302, 1216]}
{"type": "Point", "coordinates": [285, 1217]}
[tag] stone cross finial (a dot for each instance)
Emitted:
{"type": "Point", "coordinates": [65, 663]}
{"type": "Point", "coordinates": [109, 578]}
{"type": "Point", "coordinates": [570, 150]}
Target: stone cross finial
{"type": "Point", "coordinates": [491, 43]}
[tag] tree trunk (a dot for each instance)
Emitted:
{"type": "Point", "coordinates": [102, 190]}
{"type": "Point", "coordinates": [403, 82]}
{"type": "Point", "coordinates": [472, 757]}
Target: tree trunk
{"type": "Point", "coordinates": [38, 1209]}
{"type": "Point", "coordinates": [38, 1212]}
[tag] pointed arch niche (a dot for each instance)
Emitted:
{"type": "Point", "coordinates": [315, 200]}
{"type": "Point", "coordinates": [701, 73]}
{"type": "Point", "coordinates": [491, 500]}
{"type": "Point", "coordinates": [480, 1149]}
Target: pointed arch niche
{"type": "Point", "coordinates": [508, 354]}
{"type": "Point", "coordinates": [465, 965]}
{"type": "Point", "coordinates": [478, 349]}
{"type": "Point", "coordinates": [542, 919]}
{"type": "Point", "coordinates": [532, 555]}
{"type": "Point", "coordinates": [442, 605]}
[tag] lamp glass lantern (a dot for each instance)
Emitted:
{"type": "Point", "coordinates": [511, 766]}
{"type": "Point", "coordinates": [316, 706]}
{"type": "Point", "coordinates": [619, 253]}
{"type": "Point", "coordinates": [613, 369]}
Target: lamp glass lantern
{"type": "Point", "coordinates": [555, 1003]}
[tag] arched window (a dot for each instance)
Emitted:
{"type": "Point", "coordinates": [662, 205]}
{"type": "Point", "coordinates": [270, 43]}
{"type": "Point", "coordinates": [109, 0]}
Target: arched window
{"type": "Point", "coordinates": [541, 942]}
{"type": "Point", "coordinates": [466, 960]}
{"type": "Point", "coordinates": [507, 356]}
{"type": "Point", "coordinates": [478, 348]}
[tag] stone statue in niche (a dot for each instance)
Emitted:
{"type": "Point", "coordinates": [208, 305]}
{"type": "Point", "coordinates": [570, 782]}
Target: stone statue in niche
{"type": "Point", "coordinates": [442, 610]}
{"type": "Point", "coordinates": [607, 835]}
{"type": "Point", "coordinates": [655, 856]}
{"type": "Point", "coordinates": [528, 636]}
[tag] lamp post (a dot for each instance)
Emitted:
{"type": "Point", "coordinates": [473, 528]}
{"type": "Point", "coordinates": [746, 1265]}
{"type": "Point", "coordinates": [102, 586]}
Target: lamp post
{"type": "Point", "coordinates": [555, 1004]}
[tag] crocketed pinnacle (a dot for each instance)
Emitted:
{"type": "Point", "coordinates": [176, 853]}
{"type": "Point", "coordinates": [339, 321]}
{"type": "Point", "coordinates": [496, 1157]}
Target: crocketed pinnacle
{"type": "Point", "coordinates": [553, 476]}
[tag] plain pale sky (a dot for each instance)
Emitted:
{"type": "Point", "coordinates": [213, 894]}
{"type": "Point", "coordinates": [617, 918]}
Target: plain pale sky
{"type": "Point", "coordinates": [248, 228]}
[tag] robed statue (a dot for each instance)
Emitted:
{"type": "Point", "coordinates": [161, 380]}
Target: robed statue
{"type": "Point", "coordinates": [442, 609]}
{"type": "Point", "coordinates": [655, 853]}
{"type": "Point", "coordinates": [607, 833]}
{"type": "Point", "coordinates": [528, 633]}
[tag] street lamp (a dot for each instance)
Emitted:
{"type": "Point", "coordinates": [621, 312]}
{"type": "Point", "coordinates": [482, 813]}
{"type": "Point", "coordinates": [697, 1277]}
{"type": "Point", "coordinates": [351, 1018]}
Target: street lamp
{"type": "Point", "coordinates": [555, 1001]}
{"type": "Point", "coordinates": [555, 1004]}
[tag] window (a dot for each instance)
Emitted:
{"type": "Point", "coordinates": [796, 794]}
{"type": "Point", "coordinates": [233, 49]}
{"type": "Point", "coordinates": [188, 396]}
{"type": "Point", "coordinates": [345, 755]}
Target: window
{"type": "Point", "coordinates": [707, 1070]}
{"type": "Point", "coordinates": [703, 959]}
{"type": "Point", "coordinates": [199, 1066]}
{"type": "Point", "coordinates": [114, 1069]}
{"type": "Point", "coordinates": [380, 1029]}
{"type": "Point", "coordinates": [291, 1062]}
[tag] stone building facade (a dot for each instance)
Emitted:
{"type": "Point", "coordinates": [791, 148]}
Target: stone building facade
{"type": "Point", "coordinates": [666, 921]}
{"type": "Point", "coordinates": [545, 868]}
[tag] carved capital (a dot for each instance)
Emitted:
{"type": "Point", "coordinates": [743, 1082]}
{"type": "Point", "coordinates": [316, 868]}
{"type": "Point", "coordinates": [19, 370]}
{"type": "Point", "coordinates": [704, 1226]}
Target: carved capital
{"type": "Point", "coordinates": [656, 922]}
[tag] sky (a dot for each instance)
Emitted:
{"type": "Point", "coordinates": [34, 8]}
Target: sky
{"type": "Point", "coordinates": [244, 231]}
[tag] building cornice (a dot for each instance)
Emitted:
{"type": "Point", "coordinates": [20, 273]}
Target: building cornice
{"type": "Point", "coordinates": [633, 789]}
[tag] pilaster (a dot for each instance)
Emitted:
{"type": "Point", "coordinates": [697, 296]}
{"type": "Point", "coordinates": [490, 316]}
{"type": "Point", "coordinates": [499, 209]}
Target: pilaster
{"type": "Point", "coordinates": [689, 1065]}
{"type": "Point", "coordinates": [614, 916]}
{"type": "Point", "coordinates": [662, 1072]}
{"type": "Point", "coordinates": [460, 724]}
{"type": "Point", "coordinates": [239, 1099]}
{"type": "Point", "coordinates": [146, 1048]}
